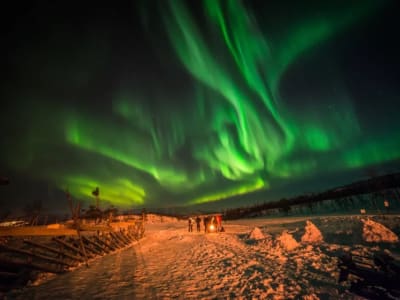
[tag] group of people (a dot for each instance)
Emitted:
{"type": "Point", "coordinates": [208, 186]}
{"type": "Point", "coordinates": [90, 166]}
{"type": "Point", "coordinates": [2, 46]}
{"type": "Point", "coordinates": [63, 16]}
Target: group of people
{"type": "Point", "coordinates": [210, 223]}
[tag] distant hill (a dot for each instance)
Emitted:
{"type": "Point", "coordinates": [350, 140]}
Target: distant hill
{"type": "Point", "coordinates": [385, 184]}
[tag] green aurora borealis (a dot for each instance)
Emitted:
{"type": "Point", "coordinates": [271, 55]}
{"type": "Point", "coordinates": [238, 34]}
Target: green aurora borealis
{"type": "Point", "coordinates": [205, 101]}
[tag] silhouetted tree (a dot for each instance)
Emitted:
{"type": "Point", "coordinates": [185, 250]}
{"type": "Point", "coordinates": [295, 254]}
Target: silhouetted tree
{"type": "Point", "coordinates": [93, 213]}
{"type": "Point", "coordinates": [33, 211]}
{"type": "Point", "coordinates": [110, 212]}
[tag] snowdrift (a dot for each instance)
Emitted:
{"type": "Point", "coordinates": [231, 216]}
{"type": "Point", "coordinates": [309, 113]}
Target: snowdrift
{"type": "Point", "coordinates": [256, 234]}
{"type": "Point", "coordinates": [375, 232]}
{"type": "Point", "coordinates": [312, 234]}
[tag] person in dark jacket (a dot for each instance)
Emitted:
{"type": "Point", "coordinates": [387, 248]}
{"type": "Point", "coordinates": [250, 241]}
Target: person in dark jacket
{"type": "Point", "coordinates": [205, 221]}
{"type": "Point", "coordinates": [198, 221]}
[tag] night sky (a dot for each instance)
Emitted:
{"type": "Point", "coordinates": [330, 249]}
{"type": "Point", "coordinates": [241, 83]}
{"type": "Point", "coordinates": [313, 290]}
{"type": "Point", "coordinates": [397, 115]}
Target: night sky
{"type": "Point", "coordinates": [179, 103]}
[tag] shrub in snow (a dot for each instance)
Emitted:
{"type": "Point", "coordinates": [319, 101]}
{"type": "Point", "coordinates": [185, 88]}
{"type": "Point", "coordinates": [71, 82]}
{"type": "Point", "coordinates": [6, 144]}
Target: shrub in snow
{"type": "Point", "coordinates": [312, 234]}
{"type": "Point", "coordinates": [287, 241]}
{"type": "Point", "coordinates": [256, 234]}
{"type": "Point", "coordinates": [376, 232]}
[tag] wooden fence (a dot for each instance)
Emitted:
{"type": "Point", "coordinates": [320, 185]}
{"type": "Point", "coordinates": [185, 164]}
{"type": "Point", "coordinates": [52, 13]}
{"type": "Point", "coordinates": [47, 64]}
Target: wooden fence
{"type": "Point", "coordinates": [24, 256]}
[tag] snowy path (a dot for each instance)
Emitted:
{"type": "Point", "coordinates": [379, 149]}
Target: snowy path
{"type": "Point", "coordinates": [171, 263]}
{"type": "Point", "coordinates": [190, 265]}
{"type": "Point", "coordinates": [168, 263]}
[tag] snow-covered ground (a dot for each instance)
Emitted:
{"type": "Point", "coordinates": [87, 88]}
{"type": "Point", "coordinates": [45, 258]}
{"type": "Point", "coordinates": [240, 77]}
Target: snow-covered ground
{"type": "Point", "coordinates": [281, 258]}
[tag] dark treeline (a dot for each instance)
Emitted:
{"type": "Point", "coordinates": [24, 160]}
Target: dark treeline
{"type": "Point", "coordinates": [366, 194]}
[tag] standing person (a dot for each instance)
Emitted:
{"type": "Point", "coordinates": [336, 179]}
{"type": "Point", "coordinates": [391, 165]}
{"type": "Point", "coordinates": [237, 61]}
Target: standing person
{"type": "Point", "coordinates": [214, 223]}
{"type": "Point", "coordinates": [198, 221]}
{"type": "Point", "coordinates": [205, 221]}
{"type": "Point", "coordinates": [219, 222]}
{"type": "Point", "coordinates": [190, 224]}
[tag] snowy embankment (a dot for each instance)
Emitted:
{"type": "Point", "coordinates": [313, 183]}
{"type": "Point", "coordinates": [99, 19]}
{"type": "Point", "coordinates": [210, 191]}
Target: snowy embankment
{"type": "Point", "coordinates": [252, 259]}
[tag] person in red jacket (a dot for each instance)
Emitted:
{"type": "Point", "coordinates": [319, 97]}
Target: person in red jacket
{"type": "Point", "coordinates": [219, 222]}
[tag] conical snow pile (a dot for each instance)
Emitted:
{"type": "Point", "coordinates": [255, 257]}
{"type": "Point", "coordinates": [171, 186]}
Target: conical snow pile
{"type": "Point", "coordinates": [256, 234]}
{"type": "Point", "coordinates": [287, 241]}
{"type": "Point", "coordinates": [376, 232]}
{"type": "Point", "coordinates": [312, 234]}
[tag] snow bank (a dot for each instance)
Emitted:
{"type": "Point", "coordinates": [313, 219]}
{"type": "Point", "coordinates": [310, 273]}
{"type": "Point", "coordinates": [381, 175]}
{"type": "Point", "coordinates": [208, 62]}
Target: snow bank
{"type": "Point", "coordinates": [376, 232]}
{"type": "Point", "coordinates": [152, 218]}
{"type": "Point", "coordinates": [54, 226]}
{"type": "Point", "coordinates": [287, 241]}
{"type": "Point", "coordinates": [312, 234]}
